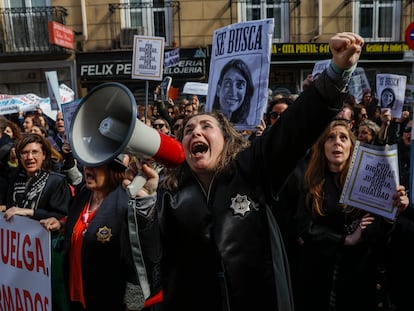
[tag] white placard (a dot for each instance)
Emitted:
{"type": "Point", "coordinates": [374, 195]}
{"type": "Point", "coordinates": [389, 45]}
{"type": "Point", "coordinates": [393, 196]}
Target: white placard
{"type": "Point", "coordinates": [148, 58]}
{"type": "Point", "coordinates": [195, 88]}
{"type": "Point", "coordinates": [391, 92]}
{"type": "Point", "coordinates": [239, 72]}
{"type": "Point", "coordinates": [372, 179]}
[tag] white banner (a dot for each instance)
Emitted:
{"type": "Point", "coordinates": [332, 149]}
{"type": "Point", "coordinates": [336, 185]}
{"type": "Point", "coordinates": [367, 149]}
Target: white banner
{"type": "Point", "coordinates": [239, 72]}
{"type": "Point", "coordinates": [25, 267]}
{"type": "Point", "coordinates": [29, 102]}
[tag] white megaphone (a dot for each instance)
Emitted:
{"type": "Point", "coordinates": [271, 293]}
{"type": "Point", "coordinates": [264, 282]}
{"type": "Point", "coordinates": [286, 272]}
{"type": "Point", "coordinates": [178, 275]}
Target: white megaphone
{"type": "Point", "coordinates": [105, 125]}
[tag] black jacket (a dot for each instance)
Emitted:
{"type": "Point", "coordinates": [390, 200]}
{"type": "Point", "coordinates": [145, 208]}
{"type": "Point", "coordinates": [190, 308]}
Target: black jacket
{"type": "Point", "coordinates": [106, 259]}
{"type": "Point", "coordinates": [53, 201]}
{"type": "Point", "coordinates": [223, 250]}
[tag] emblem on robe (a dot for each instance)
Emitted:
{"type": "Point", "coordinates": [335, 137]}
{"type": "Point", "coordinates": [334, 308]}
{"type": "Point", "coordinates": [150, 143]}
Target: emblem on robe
{"type": "Point", "coordinates": [240, 205]}
{"type": "Point", "coordinates": [104, 234]}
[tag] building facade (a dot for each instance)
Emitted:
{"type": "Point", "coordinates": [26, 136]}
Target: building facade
{"type": "Point", "coordinates": [103, 32]}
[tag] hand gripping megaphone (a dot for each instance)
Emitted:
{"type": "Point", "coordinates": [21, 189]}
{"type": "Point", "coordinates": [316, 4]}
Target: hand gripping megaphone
{"type": "Point", "coordinates": [105, 124]}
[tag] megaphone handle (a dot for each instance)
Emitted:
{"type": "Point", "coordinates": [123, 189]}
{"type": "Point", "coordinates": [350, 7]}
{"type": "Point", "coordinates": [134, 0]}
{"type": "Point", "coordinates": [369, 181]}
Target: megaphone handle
{"type": "Point", "coordinates": [137, 183]}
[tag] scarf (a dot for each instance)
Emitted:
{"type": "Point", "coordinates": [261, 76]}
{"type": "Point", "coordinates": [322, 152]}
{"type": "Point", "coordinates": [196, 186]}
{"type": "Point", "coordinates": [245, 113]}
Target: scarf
{"type": "Point", "coordinates": [27, 190]}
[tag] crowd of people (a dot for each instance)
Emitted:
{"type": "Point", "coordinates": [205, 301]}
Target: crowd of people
{"type": "Point", "coordinates": [251, 220]}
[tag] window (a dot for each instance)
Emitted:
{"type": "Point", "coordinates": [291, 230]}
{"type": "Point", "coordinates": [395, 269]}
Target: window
{"type": "Point", "coordinates": [26, 26]}
{"type": "Point", "coordinates": [378, 20]}
{"type": "Point", "coordinates": [261, 9]}
{"type": "Point", "coordinates": [150, 18]}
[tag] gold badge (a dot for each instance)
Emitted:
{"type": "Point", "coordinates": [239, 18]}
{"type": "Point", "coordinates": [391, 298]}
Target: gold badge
{"type": "Point", "coordinates": [240, 205]}
{"type": "Point", "coordinates": [104, 234]}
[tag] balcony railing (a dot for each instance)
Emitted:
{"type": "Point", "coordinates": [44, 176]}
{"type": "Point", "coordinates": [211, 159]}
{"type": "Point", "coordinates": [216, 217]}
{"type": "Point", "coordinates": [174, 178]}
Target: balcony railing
{"type": "Point", "coordinates": [25, 30]}
{"type": "Point", "coordinates": [148, 18]}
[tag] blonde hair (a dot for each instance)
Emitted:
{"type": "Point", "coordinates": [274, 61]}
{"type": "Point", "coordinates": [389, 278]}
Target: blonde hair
{"type": "Point", "coordinates": [373, 127]}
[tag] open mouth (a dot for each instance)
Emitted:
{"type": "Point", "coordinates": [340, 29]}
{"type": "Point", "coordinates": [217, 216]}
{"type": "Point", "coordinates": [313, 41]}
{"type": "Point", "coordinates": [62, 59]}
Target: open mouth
{"type": "Point", "coordinates": [199, 148]}
{"type": "Point", "coordinates": [89, 176]}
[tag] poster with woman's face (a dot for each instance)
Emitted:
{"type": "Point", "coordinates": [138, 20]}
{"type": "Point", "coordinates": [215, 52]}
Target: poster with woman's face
{"type": "Point", "coordinates": [358, 83]}
{"type": "Point", "coordinates": [239, 72]}
{"type": "Point", "coordinates": [391, 92]}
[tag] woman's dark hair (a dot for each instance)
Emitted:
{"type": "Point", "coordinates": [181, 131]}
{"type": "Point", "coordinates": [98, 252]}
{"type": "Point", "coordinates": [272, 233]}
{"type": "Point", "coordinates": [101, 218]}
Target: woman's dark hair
{"type": "Point", "coordinates": [17, 132]}
{"type": "Point", "coordinates": [234, 142]}
{"type": "Point", "coordinates": [29, 138]}
{"type": "Point", "coordinates": [240, 115]}
{"type": "Point", "coordinates": [391, 91]}
{"type": "Point", "coordinates": [284, 100]}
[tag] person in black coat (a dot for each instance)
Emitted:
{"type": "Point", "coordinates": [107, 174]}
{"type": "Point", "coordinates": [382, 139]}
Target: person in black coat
{"type": "Point", "coordinates": [220, 245]}
{"type": "Point", "coordinates": [98, 266]}
{"type": "Point", "coordinates": [339, 249]}
{"type": "Point", "coordinates": [36, 191]}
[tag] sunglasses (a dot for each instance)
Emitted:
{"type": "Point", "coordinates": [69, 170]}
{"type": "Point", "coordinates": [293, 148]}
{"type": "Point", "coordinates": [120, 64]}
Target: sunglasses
{"type": "Point", "coordinates": [342, 119]}
{"type": "Point", "coordinates": [158, 125]}
{"type": "Point", "coordinates": [407, 129]}
{"type": "Point", "coordinates": [274, 115]}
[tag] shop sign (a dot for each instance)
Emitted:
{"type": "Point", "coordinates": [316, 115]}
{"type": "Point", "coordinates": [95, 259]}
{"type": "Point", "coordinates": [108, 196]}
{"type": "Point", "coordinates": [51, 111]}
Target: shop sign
{"type": "Point", "coordinates": [288, 49]}
{"type": "Point", "coordinates": [60, 35]}
{"type": "Point", "coordinates": [122, 70]}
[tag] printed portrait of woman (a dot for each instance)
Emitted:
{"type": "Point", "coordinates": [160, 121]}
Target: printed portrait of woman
{"type": "Point", "coordinates": [234, 91]}
{"type": "Point", "coordinates": [387, 98]}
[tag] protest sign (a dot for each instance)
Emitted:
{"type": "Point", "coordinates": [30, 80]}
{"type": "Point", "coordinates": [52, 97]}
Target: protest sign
{"type": "Point", "coordinates": [172, 58]}
{"type": "Point", "coordinates": [239, 72]}
{"type": "Point", "coordinates": [68, 112]}
{"type": "Point", "coordinates": [25, 268]}
{"type": "Point", "coordinates": [391, 92]}
{"type": "Point", "coordinates": [372, 179]}
{"type": "Point", "coordinates": [53, 90]}
{"type": "Point", "coordinates": [409, 94]}
{"type": "Point", "coordinates": [319, 67]}
{"type": "Point", "coordinates": [195, 88]}
{"type": "Point", "coordinates": [148, 58]}
{"type": "Point", "coordinates": [358, 83]}
{"type": "Point", "coordinates": [29, 102]}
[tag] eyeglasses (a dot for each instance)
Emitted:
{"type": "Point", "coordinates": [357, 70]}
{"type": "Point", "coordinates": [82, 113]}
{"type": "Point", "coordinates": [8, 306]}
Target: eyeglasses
{"type": "Point", "coordinates": [407, 129]}
{"type": "Point", "coordinates": [274, 115]}
{"type": "Point", "coordinates": [158, 125]}
{"type": "Point", "coordinates": [34, 153]}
